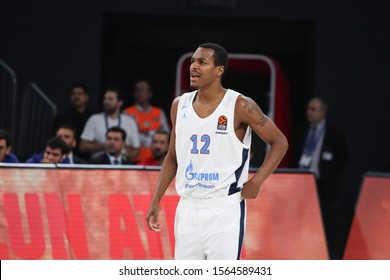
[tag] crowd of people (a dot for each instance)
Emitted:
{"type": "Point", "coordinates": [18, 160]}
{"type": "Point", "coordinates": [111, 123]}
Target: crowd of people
{"type": "Point", "coordinates": [136, 135]}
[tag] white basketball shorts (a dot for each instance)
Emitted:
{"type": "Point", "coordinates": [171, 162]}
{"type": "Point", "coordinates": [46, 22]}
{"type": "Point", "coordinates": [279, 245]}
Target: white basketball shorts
{"type": "Point", "coordinates": [210, 229]}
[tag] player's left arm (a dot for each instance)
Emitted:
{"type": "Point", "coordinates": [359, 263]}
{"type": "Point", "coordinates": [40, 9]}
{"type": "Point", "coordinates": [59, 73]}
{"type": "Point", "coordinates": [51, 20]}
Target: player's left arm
{"type": "Point", "coordinates": [250, 113]}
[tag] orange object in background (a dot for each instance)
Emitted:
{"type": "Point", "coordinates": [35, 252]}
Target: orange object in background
{"type": "Point", "coordinates": [51, 213]}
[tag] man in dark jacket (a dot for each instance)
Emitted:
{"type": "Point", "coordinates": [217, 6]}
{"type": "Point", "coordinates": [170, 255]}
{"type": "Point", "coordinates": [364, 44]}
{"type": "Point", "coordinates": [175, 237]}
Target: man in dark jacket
{"type": "Point", "coordinates": [54, 152]}
{"type": "Point", "coordinates": [76, 116]}
{"type": "Point", "coordinates": [321, 148]}
{"type": "Point", "coordinates": [114, 152]}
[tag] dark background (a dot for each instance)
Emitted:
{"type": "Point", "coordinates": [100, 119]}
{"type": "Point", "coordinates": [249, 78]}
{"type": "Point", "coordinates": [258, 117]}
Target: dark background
{"type": "Point", "coordinates": [336, 50]}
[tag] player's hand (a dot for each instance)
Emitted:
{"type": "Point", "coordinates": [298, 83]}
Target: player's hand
{"type": "Point", "coordinates": [152, 218]}
{"type": "Point", "coordinates": [250, 190]}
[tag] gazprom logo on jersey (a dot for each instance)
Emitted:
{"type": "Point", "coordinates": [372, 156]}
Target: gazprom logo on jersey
{"type": "Point", "coordinates": [200, 176]}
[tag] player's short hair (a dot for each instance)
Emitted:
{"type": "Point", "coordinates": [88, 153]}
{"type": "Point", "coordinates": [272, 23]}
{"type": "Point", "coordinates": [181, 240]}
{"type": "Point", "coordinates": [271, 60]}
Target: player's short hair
{"type": "Point", "coordinates": [117, 129]}
{"type": "Point", "coordinates": [221, 56]}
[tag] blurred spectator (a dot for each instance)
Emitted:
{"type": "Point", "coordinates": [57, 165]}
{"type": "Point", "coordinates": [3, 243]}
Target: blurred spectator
{"type": "Point", "coordinates": [114, 144]}
{"type": "Point", "coordinates": [5, 148]}
{"type": "Point", "coordinates": [54, 152]}
{"type": "Point", "coordinates": [160, 145]}
{"type": "Point", "coordinates": [68, 133]}
{"type": "Point", "coordinates": [94, 133]}
{"type": "Point", "coordinates": [321, 148]}
{"type": "Point", "coordinates": [76, 116]}
{"type": "Point", "coordinates": [149, 118]}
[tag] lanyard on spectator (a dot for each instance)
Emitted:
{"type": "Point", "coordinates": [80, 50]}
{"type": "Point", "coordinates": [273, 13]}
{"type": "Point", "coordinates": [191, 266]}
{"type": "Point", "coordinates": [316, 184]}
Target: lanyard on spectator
{"type": "Point", "coordinates": [106, 121]}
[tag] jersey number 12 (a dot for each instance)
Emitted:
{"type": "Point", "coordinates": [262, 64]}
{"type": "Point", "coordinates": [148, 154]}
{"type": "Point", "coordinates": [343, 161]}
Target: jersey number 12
{"type": "Point", "coordinates": [205, 148]}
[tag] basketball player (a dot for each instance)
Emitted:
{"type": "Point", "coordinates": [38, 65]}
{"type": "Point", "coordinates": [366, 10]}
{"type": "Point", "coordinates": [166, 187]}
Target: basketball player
{"type": "Point", "coordinates": [209, 155]}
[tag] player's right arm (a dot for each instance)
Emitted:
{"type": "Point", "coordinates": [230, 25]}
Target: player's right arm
{"type": "Point", "coordinates": [168, 172]}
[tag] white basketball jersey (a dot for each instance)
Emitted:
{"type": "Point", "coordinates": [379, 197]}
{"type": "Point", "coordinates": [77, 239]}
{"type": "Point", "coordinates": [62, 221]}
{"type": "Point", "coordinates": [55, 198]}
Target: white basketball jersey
{"type": "Point", "coordinates": [212, 161]}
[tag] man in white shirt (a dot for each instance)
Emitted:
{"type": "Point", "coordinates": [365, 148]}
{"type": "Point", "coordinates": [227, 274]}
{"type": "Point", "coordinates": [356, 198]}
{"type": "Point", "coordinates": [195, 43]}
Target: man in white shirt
{"type": "Point", "coordinates": [93, 135]}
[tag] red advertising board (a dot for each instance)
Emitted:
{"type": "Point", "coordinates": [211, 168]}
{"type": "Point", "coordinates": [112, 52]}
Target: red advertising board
{"type": "Point", "coordinates": [50, 213]}
{"type": "Point", "coordinates": [370, 230]}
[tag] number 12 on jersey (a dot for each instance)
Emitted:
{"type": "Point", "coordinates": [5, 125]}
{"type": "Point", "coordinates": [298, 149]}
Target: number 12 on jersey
{"type": "Point", "coordinates": [205, 147]}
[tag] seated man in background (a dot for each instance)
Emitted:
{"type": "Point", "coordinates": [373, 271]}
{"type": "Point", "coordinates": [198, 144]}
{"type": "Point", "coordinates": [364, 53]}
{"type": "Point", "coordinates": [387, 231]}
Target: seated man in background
{"type": "Point", "coordinates": [95, 130]}
{"type": "Point", "coordinates": [5, 148]}
{"type": "Point", "coordinates": [160, 145]}
{"type": "Point", "coordinates": [54, 152]}
{"type": "Point", "coordinates": [68, 133]}
{"type": "Point", "coordinates": [113, 146]}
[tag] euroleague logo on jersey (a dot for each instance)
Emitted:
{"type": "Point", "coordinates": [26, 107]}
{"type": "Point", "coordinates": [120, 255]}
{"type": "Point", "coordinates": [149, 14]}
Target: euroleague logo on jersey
{"type": "Point", "coordinates": [222, 123]}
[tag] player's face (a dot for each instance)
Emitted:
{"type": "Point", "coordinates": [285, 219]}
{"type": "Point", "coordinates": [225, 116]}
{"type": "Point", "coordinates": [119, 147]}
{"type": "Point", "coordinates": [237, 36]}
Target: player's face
{"type": "Point", "coordinates": [114, 143]}
{"type": "Point", "coordinates": [52, 155]}
{"type": "Point", "coordinates": [111, 102]}
{"type": "Point", "coordinates": [315, 113]}
{"type": "Point", "coordinates": [4, 150]}
{"type": "Point", "coordinates": [67, 135]}
{"type": "Point", "coordinates": [203, 72]}
{"type": "Point", "coordinates": [160, 145]}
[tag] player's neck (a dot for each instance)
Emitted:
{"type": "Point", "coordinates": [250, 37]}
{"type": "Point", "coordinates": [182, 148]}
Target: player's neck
{"type": "Point", "coordinates": [211, 94]}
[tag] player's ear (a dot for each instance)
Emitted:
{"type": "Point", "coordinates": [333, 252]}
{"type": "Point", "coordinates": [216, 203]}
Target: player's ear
{"type": "Point", "coordinates": [220, 71]}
